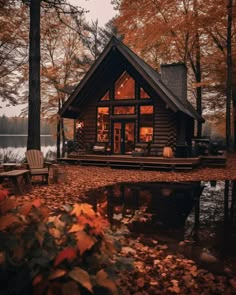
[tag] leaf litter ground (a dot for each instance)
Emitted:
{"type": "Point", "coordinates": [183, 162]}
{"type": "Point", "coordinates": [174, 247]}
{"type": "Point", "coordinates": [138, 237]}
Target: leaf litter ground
{"type": "Point", "coordinates": [156, 269]}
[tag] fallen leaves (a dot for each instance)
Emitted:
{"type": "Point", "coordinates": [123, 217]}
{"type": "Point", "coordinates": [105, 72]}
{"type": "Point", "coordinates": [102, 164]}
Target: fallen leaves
{"type": "Point", "coordinates": [156, 271]}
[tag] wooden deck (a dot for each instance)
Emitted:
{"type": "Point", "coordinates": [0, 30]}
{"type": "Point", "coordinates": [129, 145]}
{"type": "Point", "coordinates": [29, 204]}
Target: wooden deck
{"type": "Point", "coordinates": [214, 161]}
{"type": "Point", "coordinates": [127, 161]}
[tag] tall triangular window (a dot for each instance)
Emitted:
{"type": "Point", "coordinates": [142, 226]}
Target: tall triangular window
{"type": "Point", "coordinates": [125, 87]}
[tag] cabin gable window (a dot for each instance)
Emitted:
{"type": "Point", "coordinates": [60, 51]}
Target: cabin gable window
{"type": "Point", "coordinates": [124, 87]}
{"type": "Point", "coordinates": [103, 124]}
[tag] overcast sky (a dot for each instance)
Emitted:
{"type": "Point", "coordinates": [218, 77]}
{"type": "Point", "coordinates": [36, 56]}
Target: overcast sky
{"type": "Point", "coordinates": [100, 10]}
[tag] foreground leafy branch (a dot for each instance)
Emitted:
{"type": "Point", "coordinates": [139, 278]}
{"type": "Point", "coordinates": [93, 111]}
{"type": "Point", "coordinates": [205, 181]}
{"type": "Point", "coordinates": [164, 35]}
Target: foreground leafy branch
{"type": "Point", "coordinates": [66, 253]}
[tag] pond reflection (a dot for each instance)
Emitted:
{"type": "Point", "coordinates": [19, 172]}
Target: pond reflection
{"type": "Point", "coordinates": [145, 205]}
{"type": "Point", "coordinates": [202, 214]}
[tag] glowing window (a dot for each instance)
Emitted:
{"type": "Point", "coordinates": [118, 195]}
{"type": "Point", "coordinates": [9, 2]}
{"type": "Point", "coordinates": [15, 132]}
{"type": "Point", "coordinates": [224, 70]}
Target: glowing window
{"type": "Point", "coordinates": [143, 94]}
{"type": "Point", "coordinates": [103, 124]}
{"type": "Point", "coordinates": [146, 123]}
{"type": "Point", "coordinates": [146, 109]}
{"type": "Point", "coordinates": [125, 87]}
{"type": "Point", "coordinates": [125, 110]}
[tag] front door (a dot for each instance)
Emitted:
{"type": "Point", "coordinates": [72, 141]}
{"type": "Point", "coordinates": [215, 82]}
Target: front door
{"type": "Point", "coordinates": [123, 136]}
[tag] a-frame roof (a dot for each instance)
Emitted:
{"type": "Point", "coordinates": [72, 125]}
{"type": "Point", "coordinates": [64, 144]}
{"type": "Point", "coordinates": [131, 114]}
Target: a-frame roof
{"type": "Point", "coordinates": [97, 74]}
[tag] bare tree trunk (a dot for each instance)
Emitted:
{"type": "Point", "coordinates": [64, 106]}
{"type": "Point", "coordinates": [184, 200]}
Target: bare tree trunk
{"type": "Point", "coordinates": [58, 137]}
{"type": "Point", "coordinates": [33, 141]}
{"type": "Point", "coordinates": [229, 75]}
{"type": "Point", "coordinates": [234, 120]}
{"type": "Point", "coordinates": [199, 80]}
{"type": "Point", "coordinates": [63, 137]}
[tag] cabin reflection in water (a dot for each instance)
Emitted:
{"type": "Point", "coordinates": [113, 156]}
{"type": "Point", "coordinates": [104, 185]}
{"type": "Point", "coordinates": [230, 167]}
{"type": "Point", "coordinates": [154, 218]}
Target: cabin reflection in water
{"type": "Point", "coordinates": [155, 204]}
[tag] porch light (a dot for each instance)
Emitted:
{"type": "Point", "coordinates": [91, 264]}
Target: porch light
{"type": "Point", "coordinates": [79, 124]}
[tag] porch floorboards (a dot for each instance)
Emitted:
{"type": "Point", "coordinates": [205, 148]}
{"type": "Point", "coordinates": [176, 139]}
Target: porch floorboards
{"type": "Point", "coordinates": [128, 161]}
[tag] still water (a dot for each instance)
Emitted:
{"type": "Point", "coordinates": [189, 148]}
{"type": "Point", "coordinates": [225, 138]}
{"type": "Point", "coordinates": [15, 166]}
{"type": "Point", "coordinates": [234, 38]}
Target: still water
{"type": "Point", "coordinates": [13, 146]}
{"type": "Point", "coordinates": [197, 219]}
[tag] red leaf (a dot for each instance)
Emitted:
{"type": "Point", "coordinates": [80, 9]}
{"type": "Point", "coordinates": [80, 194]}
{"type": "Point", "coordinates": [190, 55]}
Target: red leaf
{"type": "Point", "coordinates": [25, 208]}
{"type": "Point", "coordinates": [37, 279]}
{"type": "Point", "coordinates": [7, 220]}
{"type": "Point", "coordinates": [68, 253]}
{"type": "Point", "coordinates": [3, 194]}
{"type": "Point", "coordinates": [36, 203]}
{"type": "Point", "coordinates": [7, 205]}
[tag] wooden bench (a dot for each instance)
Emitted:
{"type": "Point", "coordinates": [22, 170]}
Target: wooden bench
{"type": "Point", "coordinates": [17, 176]}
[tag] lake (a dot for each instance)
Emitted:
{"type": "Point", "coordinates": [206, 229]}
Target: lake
{"type": "Point", "coordinates": [13, 146]}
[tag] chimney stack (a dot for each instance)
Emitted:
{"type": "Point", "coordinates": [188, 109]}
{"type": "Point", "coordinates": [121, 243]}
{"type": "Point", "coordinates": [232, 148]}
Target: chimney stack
{"type": "Point", "coordinates": [174, 76]}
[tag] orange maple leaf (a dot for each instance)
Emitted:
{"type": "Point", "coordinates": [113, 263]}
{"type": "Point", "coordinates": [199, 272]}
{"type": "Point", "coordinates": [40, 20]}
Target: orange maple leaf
{"type": "Point", "coordinates": [79, 209]}
{"type": "Point", "coordinates": [84, 241]}
{"type": "Point", "coordinates": [68, 253]}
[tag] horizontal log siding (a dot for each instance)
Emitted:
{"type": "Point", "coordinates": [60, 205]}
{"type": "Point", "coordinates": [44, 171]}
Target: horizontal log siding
{"type": "Point", "coordinates": [164, 128]}
{"type": "Point", "coordinates": [89, 116]}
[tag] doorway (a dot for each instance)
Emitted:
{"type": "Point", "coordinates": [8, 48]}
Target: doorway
{"type": "Point", "coordinates": [123, 136]}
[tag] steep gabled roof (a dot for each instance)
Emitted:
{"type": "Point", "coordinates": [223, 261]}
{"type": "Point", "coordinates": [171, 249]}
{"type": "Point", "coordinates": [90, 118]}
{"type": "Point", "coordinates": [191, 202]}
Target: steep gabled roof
{"type": "Point", "coordinates": [152, 77]}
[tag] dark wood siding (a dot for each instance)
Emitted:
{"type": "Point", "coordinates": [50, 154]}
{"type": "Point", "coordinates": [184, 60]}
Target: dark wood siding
{"type": "Point", "coordinates": [164, 127]}
{"type": "Point", "coordinates": [89, 116]}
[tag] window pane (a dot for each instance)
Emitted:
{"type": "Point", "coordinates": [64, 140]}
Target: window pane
{"type": "Point", "coordinates": [146, 109]}
{"type": "Point", "coordinates": [106, 96]}
{"type": "Point", "coordinates": [103, 124]}
{"type": "Point", "coordinates": [146, 123]}
{"type": "Point", "coordinates": [125, 87]}
{"type": "Point", "coordinates": [143, 94]}
{"type": "Point", "coordinates": [146, 134]}
{"type": "Point", "coordinates": [124, 110]}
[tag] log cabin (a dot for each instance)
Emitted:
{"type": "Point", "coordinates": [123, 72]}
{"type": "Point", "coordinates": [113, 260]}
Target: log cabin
{"type": "Point", "coordinates": [125, 103]}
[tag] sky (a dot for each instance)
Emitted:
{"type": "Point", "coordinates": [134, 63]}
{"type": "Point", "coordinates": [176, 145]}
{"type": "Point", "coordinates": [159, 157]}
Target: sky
{"type": "Point", "coordinates": [100, 10]}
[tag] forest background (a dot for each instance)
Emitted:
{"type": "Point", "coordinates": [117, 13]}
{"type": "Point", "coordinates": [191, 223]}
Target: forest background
{"type": "Point", "coordinates": [201, 34]}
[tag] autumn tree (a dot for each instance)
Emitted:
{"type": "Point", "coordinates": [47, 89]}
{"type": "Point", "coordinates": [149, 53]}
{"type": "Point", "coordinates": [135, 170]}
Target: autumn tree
{"type": "Point", "coordinates": [62, 69]}
{"type": "Point", "coordinates": [188, 31]}
{"type": "Point", "coordinates": [164, 31]}
{"type": "Point", "coordinates": [220, 27]}
{"type": "Point", "coordinates": [13, 49]}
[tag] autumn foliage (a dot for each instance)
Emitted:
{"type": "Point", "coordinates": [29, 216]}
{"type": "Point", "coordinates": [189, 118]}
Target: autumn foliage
{"type": "Point", "coordinates": [65, 253]}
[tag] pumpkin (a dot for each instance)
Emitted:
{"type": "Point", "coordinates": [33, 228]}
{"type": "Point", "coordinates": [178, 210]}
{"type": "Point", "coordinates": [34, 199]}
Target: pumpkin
{"type": "Point", "coordinates": [167, 152]}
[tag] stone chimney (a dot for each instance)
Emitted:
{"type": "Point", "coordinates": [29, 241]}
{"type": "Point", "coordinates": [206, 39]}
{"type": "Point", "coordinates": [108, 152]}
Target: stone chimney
{"type": "Point", "coordinates": [174, 76]}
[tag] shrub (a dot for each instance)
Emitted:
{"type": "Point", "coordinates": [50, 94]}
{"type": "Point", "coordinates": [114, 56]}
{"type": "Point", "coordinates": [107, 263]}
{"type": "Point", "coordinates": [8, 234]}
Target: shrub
{"type": "Point", "coordinates": [67, 253]}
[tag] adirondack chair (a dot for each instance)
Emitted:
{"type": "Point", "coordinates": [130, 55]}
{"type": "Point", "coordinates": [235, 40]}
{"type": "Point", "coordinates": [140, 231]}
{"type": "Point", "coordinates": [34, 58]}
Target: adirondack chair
{"type": "Point", "coordinates": [36, 164]}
